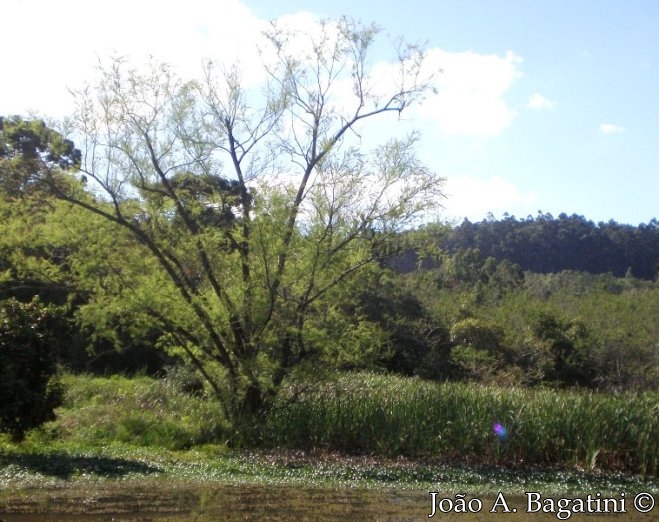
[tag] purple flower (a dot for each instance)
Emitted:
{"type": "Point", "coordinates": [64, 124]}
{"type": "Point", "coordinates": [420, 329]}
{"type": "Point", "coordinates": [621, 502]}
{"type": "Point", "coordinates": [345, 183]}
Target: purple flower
{"type": "Point", "coordinates": [500, 430]}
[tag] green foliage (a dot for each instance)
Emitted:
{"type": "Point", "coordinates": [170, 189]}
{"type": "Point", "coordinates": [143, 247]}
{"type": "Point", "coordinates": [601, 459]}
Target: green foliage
{"type": "Point", "coordinates": [184, 379]}
{"type": "Point", "coordinates": [74, 259]}
{"type": "Point", "coordinates": [27, 366]}
{"type": "Point", "coordinates": [568, 342]}
{"type": "Point", "coordinates": [366, 413]}
{"type": "Point", "coordinates": [375, 323]}
{"type": "Point", "coordinates": [140, 411]}
{"type": "Point", "coordinates": [229, 232]}
{"type": "Point", "coordinates": [620, 318]}
{"type": "Point", "coordinates": [545, 244]}
{"type": "Point", "coordinates": [475, 363]}
{"type": "Point", "coordinates": [29, 149]}
{"type": "Point", "coordinates": [249, 280]}
{"type": "Point", "coordinates": [33, 253]}
{"type": "Point", "coordinates": [480, 334]}
{"type": "Point", "coordinates": [599, 329]}
{"type": "Point", "coordinates": [348, 342]}
{"type": "Point", "coordinates": [565, 329]}
{"type": "Point", "coordinates": [476, 347]}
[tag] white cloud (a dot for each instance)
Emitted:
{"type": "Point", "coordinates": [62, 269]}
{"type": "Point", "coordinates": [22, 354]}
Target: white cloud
{"type": "Point", "coordinates": [474, 198]}
{"type": "Point", "coordinates": [610, 128]}
{"type": "Point", "coordinates": [70, 36]}
{"type": "Point", "coordinates": [539, 102]}
{"type": "Point", "coordinates": [471, 90]}
{"type": "Point", "coordinates": [75, 33]}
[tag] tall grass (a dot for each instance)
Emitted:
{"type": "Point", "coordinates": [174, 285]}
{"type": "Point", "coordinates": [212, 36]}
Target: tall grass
{"type": "Point", "coordinates": [392, 415]}
{"type": "Point", "coordinates": [380, 415]}
{"type": "Point", "coordinates": [139, 411]}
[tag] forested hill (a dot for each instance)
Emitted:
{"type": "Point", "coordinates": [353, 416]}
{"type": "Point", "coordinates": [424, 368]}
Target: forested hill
{"type": "Point", "coordinates": [546, 244]}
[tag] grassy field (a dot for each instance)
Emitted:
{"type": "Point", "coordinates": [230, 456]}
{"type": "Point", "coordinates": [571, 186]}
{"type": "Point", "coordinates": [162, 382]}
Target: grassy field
{"type": "Point", "coordinates": [360, 430]}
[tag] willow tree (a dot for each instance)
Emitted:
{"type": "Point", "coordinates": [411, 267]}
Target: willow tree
{"type": "Point", "coordinates": [251, 203]}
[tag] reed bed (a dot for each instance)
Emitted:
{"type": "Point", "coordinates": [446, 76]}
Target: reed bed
{"type": "Point", "coordinates": [393, 416]}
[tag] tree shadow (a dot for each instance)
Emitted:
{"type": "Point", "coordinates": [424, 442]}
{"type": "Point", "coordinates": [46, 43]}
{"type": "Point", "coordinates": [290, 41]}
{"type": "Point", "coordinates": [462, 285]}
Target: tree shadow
{"type": "Point", "coordinates": [65, 466]}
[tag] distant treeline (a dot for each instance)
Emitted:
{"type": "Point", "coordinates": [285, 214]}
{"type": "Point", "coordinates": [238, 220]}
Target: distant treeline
{"type": "Point", "coordinates": [545, 244]}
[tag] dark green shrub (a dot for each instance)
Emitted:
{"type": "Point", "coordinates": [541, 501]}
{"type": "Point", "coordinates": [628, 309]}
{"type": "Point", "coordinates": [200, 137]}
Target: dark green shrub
{"type": "Point", "coordinates": [568, 342]}
{"type": "Point", "coordinates": [28, 392]}
{"type": "Point", "coordinates": [476, 347]}
{"type": "Point", "coordinates": [184, 379]}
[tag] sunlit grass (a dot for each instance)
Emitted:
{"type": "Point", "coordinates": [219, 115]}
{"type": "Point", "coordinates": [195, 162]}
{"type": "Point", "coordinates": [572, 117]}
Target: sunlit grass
{"type": "Point", "coordinates": [139, 411]}
{"type": "Point", "coordinates": [390, 415]}
{"type": "Point", "coordinates": [179, 441]}
{"type": "Point", "coordinates": [367, 414]}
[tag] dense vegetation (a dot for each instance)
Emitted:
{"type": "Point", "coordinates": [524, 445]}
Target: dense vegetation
{"type": "Point", "coordinates": [220, 217]}
{"type": "Point", "coordinates": [461, 317]}
{"type": "Point", "coordinates": [469, 424]}
{"type": "Point", "coordinates": [365, 413]}
{"type": "Point", "coordinates": [495, 323]}
{"type": "Point", "coordinates": [545, 244]}
{"type": "Point", "coordinates": [27, 366]}
{"type": "Point", "coordinates": [175, 245]}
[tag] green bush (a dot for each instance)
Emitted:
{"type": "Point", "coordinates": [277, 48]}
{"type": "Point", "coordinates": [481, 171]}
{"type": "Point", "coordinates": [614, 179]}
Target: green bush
{"type": "Point", "coordinates": [476, 347]}
{"type": "Point", "coordinates": [139, 411]}
{"type": "Point", "coordinates": [28, 390]}
{"type": "Point", "coordinates": [568, 342]}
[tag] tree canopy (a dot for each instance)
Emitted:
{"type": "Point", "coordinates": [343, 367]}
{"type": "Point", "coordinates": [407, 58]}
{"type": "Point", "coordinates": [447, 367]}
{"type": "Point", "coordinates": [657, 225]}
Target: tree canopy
{"type": "Point", "coordinates": [251, 207]}
{"type": "Point", "coordinates": [28, 149]}
{"type": "Point", "coordinates": [546, 244]}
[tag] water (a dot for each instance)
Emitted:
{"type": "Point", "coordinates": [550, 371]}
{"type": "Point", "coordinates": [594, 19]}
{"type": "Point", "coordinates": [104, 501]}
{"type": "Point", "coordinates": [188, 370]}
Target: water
{"type": "Point", "coordinates": [250, 502]}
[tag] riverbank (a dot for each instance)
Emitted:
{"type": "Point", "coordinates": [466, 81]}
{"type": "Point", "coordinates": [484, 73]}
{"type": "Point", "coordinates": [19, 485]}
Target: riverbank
{"type": "Point", "coordinates": [369, 414]}
{"type": "Point", "coordinates": [123, 479]}
{"type": "Point", "coordinates": [152, 444]}
{"type": "Point", "coordinates": [30, 468]}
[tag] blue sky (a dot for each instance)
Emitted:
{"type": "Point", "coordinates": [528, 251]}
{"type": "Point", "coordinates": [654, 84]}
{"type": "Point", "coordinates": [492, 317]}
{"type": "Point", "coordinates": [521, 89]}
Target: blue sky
{"type": "Point", "coordinates": [548, 106]}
